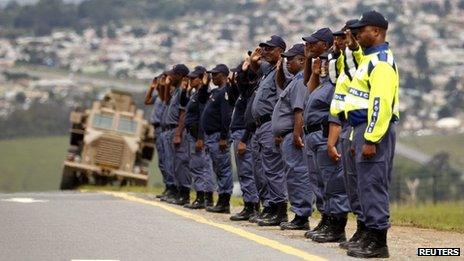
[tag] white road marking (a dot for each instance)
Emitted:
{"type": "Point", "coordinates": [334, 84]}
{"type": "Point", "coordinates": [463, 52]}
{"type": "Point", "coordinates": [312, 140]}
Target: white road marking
{"type": "Point", "coordinates": [24, 200]}
{"type": "Point", "coordinates": [94, 260]}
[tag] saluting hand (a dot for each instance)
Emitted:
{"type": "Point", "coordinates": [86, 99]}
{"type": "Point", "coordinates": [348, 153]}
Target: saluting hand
{"type": "Point", "coordinates": [205, 80]}
{"type": "Point", "coordinates": [184, 83]}
{"type": "Point", "coordinates": [351, 41]}
{"type": "Point", "coordinates": [369, 151]}
{"type": "Point", "coordinates": [154, 84]}
{"type": "Point", "coordinates": [256, 55]}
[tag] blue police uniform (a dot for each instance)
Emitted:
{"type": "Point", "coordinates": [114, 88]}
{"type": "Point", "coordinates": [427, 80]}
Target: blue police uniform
{"type": "Point", "coordinates": [335, 200]}
{"type": "Point", "coordinates": [215, 121]}
{"type": "Point", "coordinates": [181, 153]}
{"type": "Point", "coordinates": [238, 95]}
{"type": "Point", "coordinates": [296, 171]}
{"type": "Point", "coordinates": [262, 107]}
{"type": "Point", "coordinates": [155, 119]}
{"type": "Point", "coordinates": [200, 164]}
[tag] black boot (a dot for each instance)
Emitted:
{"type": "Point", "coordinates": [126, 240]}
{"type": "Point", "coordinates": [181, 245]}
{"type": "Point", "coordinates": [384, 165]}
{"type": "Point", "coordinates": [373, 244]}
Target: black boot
{"type": "Point", "coordinates": [323, 225]}
{"type": "Point", "coordinates": [298, 223]}
{"type": "Point", "coordinates": [354, 240]}
{"type": "Point", "coordinates": [279, 216]}
{"type": "Point", "coordinates": [249, 209]}
{"type": "Point", "coordinates": [184, 196]}
{"type": "Point", "coordinates": [260, 215]}
{"type": "Point", "coordinates": [163, 193]}
{"type": "Point", "coordinates": [222, 206]}
{"type": "Point", "coordinates": [198, 203]}
{"type": "Point", "coordinates": [373, 245]}
{"type": "Point", "coordinates": [209, 201]}
{"type": "Point", "coordinates": [334, 233]}
{"type": "Point", "coordinates": [171, 194]}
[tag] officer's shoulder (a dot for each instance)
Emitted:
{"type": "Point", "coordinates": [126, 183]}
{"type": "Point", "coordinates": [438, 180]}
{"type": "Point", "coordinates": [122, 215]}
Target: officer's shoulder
{"type": "Point", "coordinates": [382, 57]}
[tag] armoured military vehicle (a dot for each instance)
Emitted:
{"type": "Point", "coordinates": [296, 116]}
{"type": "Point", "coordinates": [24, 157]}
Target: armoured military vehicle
{"type": "Point", "coordinates": [111, 143]}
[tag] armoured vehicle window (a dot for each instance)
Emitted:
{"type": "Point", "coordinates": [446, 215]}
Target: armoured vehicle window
{"type": "Point", "coordinates": [103, 121]}
{"type": "Point", "coordinates": [127, 126]}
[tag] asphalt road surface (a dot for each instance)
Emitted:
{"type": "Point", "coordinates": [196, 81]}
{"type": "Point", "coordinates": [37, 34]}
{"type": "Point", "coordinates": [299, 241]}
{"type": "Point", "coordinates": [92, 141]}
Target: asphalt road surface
{"type": "Point", "coordinates": [94, 226]}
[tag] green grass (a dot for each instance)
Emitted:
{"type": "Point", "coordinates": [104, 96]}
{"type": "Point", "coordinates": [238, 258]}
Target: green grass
{"type": "Point", "coordinates": [446, 216]}
{"type": "Point", "coordinates": [34, 164]}
{"type": "Point", "coordinates": [432, 144]}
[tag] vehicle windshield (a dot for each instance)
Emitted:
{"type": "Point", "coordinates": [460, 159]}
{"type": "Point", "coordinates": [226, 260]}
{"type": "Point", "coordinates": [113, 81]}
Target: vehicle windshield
{"type": "Point", "coordinates": [127, 126]}
{"type": "Point", "coordinates": [102, 121]}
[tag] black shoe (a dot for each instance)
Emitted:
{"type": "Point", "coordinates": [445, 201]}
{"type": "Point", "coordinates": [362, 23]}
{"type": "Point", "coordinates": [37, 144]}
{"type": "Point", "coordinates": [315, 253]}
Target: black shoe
{"type": "Point", "coordinates": [163, 193]}
{"type": "Point", "coordinates": [373, 245]}
{"type": "Point", "coordinates": [198, 203]}
{"type": "Point", "coordinates": [323, 224]}
{"type": "Point", "coordinates": [249, 209]}
{"type": "Point", "coordinates": [183, 198]}
{"type": "Point", "coordinates": [298, 223]}
{"type": "Point", "coordinates": [277, 217]}
{"type": "Point", "coordinates": [260, 215]}
{"type": "Point", "coordinates": [334, 233]}
{"type": "Point", "coordinates": [209, 201]}
{"type": "Point", "coordinates": [356, 238]}
{"type": "Point", "coordinates": [222, 206]}
{"type": "Point", "coordinates": [170, 194]}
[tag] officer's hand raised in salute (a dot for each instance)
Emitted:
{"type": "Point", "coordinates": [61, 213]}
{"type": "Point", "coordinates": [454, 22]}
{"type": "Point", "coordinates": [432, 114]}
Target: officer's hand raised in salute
{"type": "Point", "coordinates": [223, 145]}
{"type": "Point", "coordinates": [351, 41]}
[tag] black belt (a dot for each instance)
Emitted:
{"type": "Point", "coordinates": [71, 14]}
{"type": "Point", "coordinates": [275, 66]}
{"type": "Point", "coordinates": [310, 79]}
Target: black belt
{"type": "Point", "coordinates": [193, 130]}
{"type": "Point", "coordinates": [312, 128]}
{"type": "Point", "coordinates": [263, 119]}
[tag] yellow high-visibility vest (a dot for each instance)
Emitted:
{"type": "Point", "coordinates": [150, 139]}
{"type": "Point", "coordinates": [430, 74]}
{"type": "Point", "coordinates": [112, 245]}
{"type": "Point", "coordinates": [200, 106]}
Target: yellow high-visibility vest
{"type": "Point", "coordinates": [372, 95]}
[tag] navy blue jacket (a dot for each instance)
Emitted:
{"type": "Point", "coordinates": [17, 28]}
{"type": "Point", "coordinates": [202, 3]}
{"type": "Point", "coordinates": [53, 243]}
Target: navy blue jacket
{"type": "Point", "coordinates": [217, 113]}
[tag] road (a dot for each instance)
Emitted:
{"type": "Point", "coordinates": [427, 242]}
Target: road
{"type": "Point", "coordinates": [94, 226]}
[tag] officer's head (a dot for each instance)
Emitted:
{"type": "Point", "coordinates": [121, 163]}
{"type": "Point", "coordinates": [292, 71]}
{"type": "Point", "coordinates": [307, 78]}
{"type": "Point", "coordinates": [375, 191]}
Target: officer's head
{"type": "Point", "coordinates": [340, 38]}
{"type": "Point", "coordinates": [295, 58]}
{"type": "Point", "coordinates": [196, 76]}
{"type": "Point", "coordinates": [318, 42]}
{"type": "Point", "coordinates": [372, 28]}
{"type": "Point", "coordinates": [324, 57]}
{"type": "Point", "coordinates": [273, 48]}
{"type": "Point", "coordinates": [175, 75]}
{"type": "Point", "coordinates": [219, 74]}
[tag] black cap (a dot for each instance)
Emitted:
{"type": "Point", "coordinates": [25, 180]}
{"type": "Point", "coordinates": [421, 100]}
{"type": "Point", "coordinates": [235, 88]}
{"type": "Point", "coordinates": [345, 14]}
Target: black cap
{"type": "Point", "coordinates": [297, 49]}
{"type": "Point", "coordinates": [324, 55]}
{"type": "Point", "coordinates": [323, 34]}
{"type": "Point", "coordinates": [347, 25]}
{"type": "Point", "coordinates": [220, 68]}
{"type": "Point", "coordinates": [275, 41]}
{"type": "Point", "coordinates": [179, 69]}
{"type": "Point", "coordinates": [372, 18]}
{"type": "Point", "coordinates": [198, 71]}
{"type": "Point", "coordinates": [238, 68]}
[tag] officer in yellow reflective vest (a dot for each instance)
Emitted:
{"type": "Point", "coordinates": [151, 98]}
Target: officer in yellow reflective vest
{"type": "Point", "coordinates": [371, 107]}
{"type": "Point", "coordinates": [349, 55]}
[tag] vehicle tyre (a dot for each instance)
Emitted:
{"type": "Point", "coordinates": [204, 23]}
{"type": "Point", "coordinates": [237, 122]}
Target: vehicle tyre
{"type": "Point", "coordinates": [68, 179]}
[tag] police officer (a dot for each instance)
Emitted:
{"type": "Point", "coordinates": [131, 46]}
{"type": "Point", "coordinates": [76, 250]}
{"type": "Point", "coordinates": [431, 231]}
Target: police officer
{"type": "Point", "coordinates": [215, 121]}
{"type": "Point", "coordinates": [287, 126]}
{"type": "Point", "coordinates": [249, 141]}
{"type": "Point", "coordinates": [155, 96]}
{"type": "Point", "coordinates": [167, 157]}
{"type": "Point", "coordinates": [194, 100]}
{"type": "Point", "coordinates": [371, 107]}
{"type": "Point", "coordinates": [317, 120]}
{"type": "Point", "coordinates": [348, 55]}
{"type": "Point", "coordinates": [241, 89]}
{"type": "Point", "coordinates": [263, 60]}
{"type": "Point", "coordinates": [177, 144]}
{"type": "Point", "coordinates": [315, 45]}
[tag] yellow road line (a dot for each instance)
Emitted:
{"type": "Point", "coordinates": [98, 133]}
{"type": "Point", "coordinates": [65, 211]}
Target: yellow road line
{"type": "Point", "coordinates": [238, 231]}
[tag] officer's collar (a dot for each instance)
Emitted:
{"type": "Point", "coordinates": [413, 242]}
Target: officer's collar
{"type": "Point", "coordinates": [376, 48]}
{"type": "Point", "coordinates": [300, 73]}
{"type": "Point", "coordinates": [213, 87]}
